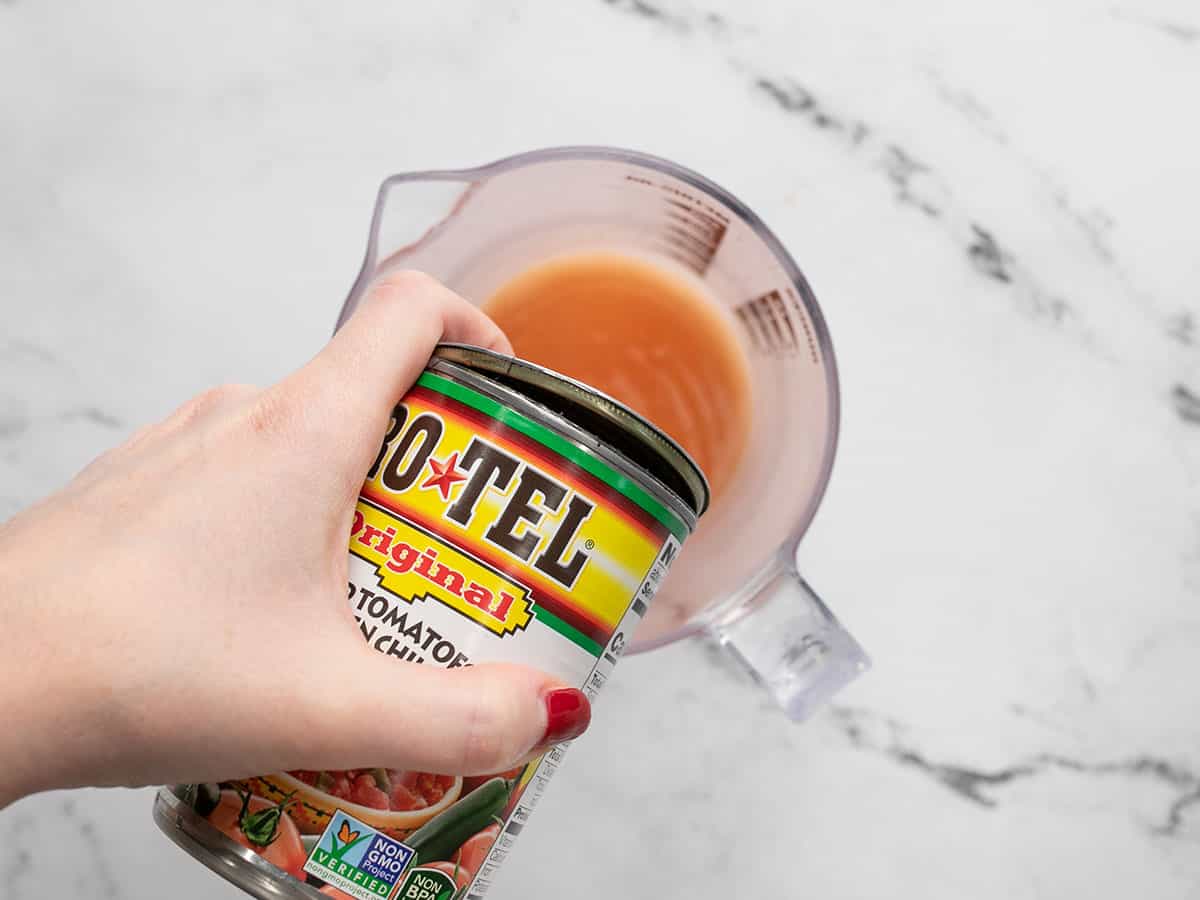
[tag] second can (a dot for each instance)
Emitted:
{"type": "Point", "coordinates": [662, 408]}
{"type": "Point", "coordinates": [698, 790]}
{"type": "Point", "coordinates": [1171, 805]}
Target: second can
{"type": "Point", "coordinates": [511, 515]}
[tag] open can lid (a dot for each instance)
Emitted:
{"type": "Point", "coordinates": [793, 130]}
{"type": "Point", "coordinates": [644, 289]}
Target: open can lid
{"type": "Point", "coordinates": [611, 421]}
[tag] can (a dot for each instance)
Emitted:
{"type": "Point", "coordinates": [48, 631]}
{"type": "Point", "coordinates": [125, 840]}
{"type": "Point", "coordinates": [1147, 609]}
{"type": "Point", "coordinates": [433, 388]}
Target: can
{"type": "Point", "coordinates": [511, 515]}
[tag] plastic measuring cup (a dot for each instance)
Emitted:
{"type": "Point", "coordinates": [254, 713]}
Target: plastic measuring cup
{"type": "Point", "coordinates": [736, 579]}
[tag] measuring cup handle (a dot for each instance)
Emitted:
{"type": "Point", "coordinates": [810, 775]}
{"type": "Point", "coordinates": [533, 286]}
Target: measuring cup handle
{"type": "Point", "coordinates": [791, 644]}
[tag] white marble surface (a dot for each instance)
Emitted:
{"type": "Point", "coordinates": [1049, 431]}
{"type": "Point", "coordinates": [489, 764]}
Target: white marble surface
{"type": "Point", "coordinates": [996, 205]}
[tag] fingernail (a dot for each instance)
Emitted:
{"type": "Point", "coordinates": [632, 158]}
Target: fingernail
{"type": "Point", "coordinates": [567, 716]}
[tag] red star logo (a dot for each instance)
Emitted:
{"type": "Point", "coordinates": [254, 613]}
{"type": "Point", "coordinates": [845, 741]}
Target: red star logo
{"type": "Point", "coordinates": [445, 475]}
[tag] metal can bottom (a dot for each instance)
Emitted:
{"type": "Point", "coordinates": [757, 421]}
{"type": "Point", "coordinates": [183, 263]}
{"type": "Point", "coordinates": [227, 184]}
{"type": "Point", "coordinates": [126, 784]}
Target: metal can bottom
{"type": "Point", "coordinates": [226, 857]}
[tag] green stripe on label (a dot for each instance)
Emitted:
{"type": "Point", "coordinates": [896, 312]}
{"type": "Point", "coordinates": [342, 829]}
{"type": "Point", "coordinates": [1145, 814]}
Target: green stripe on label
{"type": "Point", "coordinates": [559, 445]}
{"type": "Point", "coordinates": [571, 633]}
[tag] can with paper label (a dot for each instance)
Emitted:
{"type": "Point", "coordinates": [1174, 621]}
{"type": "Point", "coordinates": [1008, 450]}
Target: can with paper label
{"type": "Point", "coordinates": [511, 515]}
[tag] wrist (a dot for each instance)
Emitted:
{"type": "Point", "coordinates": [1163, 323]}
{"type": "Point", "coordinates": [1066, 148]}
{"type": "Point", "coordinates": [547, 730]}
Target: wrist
{"type": "Point", "coordinates": [45, 725]}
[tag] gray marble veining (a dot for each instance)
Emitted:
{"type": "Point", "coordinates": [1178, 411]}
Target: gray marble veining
{"type": "Point", "coordinates": [994, 205]}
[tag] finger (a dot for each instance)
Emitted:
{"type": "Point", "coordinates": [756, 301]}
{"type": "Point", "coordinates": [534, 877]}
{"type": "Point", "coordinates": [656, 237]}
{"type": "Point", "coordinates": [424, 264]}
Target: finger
{"type": "Point", "coordinates": [475, 720]}
{"type": "Point", "coordinates": [349, 389]}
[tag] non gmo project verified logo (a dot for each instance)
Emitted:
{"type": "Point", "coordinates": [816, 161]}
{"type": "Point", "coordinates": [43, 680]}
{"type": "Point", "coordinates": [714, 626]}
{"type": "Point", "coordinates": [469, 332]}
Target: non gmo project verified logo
{"type": "Point", "coordinates": [358, 859]}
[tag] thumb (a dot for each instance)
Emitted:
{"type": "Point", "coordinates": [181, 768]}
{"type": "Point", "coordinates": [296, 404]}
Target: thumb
{"type": "Point", "coordinates": [474, 720]}
{"type": "Point", "coordinates": [349, 389]}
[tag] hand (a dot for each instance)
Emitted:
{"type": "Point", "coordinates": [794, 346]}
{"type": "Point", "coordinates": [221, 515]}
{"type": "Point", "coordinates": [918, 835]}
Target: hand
{"type": "Point", "coordinates": [178, 612]}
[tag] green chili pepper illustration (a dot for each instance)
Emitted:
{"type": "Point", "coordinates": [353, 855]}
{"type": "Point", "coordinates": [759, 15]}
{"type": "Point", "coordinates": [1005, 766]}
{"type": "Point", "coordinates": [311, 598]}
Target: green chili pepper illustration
{"type": "Point", "coordinates": [262, 827]}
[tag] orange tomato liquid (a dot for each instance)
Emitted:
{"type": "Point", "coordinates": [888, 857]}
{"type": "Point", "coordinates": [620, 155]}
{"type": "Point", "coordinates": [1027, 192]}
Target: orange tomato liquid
{"type": "Point", "coordinates": [643, 335]}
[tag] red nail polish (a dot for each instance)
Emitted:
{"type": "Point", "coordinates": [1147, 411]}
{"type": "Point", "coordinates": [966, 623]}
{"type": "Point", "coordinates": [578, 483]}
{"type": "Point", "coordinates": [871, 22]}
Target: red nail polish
{"type": "Point", "coordinates": [568, 713]}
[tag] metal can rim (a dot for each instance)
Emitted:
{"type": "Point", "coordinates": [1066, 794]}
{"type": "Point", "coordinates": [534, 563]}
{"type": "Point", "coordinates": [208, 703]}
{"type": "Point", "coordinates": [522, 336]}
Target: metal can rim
{"type": "Point", "coordinates": [490, 363]}
{"type": "Point", "coordinates": [201, 840]}
{"type": "Point", "coordinates": [576, 434]}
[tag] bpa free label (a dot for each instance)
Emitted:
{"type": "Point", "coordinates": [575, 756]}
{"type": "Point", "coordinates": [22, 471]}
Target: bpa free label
{"type": "Point", "coordinates": [427, 884]}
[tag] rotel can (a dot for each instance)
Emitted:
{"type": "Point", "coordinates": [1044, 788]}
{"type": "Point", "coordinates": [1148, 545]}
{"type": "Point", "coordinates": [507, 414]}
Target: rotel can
{"type": "Point", "coordinates": [511, 515]}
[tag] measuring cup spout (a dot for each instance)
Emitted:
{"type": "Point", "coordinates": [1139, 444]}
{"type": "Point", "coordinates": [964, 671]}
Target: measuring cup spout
{"type": "Point", "coordinates": [791, 643]}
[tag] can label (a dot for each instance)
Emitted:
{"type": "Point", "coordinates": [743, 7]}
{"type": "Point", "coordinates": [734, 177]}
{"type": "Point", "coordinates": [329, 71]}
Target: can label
{"type": "Point", "coordinates": [480, 535]}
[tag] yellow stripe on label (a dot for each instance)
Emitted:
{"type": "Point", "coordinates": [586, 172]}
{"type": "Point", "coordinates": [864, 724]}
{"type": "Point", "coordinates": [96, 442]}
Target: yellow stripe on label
{"type": "Point", "coordinates": [416, 565]}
